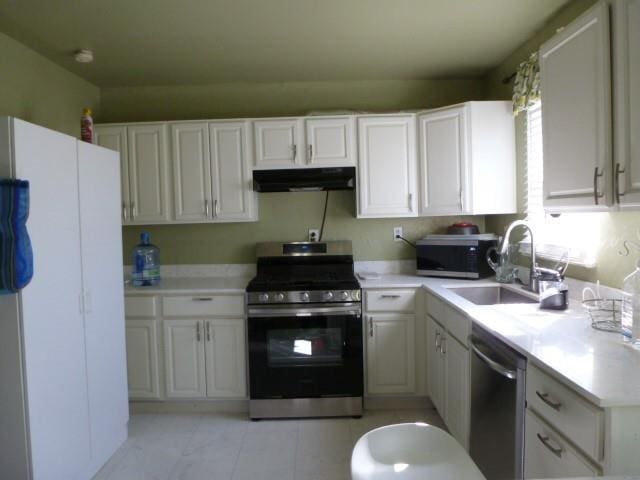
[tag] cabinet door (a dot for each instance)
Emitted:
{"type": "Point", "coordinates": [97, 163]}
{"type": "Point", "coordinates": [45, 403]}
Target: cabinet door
{"type": "Point", "coordinates": [225, 358]}
{"type": "Point", "coordinates": [443, 161]}
{"type": "Point", "coordinates": [184, 357]}
{"type": "Point", "coordinates": [148, 181]}
{"type": "Point", "coordinates": [115, 138]}
{"type": "Point", "coordinates": [191, 171]}
{"type": "Point", "coordinates": [457, 390]}
{"type": "Point", "coordinates": [391, 354]}
{"type": "Point", "coordinates": [548, 455]}
{"type": "Point", "coordinates": [233, 195]}
{"type": "Point", "coordinates": [277, 143]}
{"type": "Point", "coordinates": [102, 273]}
{"type": "Point", "coordinates": [330, 142]}
{"type": "Point", "coordinates": [52, 325]}
{"type": "Point", "coordinates": [142, 359]}
{"type": "Point", "coordinates": [627, 102]}
{"type": "Point", "coordinates": [387, 167]}
{"type": "Point", "coordinates": [576, 114]}
{"type": "Point", "coordinates": [435, 365]}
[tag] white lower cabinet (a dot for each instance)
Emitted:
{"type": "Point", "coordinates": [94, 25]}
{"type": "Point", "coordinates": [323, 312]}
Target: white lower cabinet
{"type": "Point", "coordinates": [435, 364]}
{"type": "Point", "coordinates": [225, 358]}
{"type": "Point", "coordinates": [391, 353]}
{"type": "Point", "coordinates": [456, 395]}
{"type": "Point", "coordinates": [205, 358]}
{"type": "Point", "coordinates": [549, 455]}
{"type": "Point", "coordinates": [184, 358]}
{"type": "Point", "coordinates": [448, 367]}
{"type": "Point", "coordinates": [142, 359]}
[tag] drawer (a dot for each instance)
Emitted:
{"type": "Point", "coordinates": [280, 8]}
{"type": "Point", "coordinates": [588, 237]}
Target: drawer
{"type": "Point", "coordinates": [392, 300]}
{"type": "Point", "coordinates": [458, 324]}
{"type": "Point", "coordinates": [435, 307]}
{"type": "Point", "coordinates": [144, 307]}
{"type": "Point", "coordinates": [203, 306]}
{"type": "Point", "coordinates": [579, 420]}
{"type": "Point", "coordinates": [549, 455]}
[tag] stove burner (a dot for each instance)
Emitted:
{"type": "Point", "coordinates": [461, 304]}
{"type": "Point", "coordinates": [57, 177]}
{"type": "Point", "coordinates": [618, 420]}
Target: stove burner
{"type": "Point", "coordinates": [284, 277]}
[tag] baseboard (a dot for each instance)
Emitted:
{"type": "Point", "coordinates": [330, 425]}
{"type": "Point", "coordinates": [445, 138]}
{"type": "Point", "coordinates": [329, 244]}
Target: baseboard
{"type": "Point", "coordinates": [397, 403]}
{"type": "Point", "coordinates": [190, 406]}
{"type": "Point", "coordinates": [242, 406]}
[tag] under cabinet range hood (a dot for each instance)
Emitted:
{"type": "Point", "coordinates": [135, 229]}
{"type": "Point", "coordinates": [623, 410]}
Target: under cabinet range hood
{"type": "Point", "coordinates": [304, 179]}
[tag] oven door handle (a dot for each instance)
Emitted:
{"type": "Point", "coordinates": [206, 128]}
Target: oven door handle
{"type": "Point", "coordinates": [303, 312]}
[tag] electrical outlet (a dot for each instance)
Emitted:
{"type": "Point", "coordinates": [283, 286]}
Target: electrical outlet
{"type": "Point", "coordinates": [314, 234]}
{"type": "Point", "coordinates": [397, 233]}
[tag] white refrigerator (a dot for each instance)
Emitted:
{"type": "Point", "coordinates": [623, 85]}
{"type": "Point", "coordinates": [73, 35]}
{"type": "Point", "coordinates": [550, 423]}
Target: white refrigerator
{"type": "Point", "coordinates": [63, 381]}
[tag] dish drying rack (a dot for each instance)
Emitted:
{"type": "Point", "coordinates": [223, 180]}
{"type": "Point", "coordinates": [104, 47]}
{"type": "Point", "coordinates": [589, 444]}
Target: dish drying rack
{"type": "Point", "coordinates": [605, 313]}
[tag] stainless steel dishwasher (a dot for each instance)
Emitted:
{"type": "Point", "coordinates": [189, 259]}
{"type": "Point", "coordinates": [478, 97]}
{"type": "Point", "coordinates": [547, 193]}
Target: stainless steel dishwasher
{"type": "Point", "coordinates": [498, 376]}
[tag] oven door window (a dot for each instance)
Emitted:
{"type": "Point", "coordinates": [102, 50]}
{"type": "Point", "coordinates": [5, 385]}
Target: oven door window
{"type": "Point", "coordinates": [307, 356]}
{"type": "Point", "coordinates": [305, 347]}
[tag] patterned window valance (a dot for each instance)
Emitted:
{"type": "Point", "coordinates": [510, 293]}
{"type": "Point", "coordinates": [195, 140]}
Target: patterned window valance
{"type": "Point", "coordinates": [526, 89]}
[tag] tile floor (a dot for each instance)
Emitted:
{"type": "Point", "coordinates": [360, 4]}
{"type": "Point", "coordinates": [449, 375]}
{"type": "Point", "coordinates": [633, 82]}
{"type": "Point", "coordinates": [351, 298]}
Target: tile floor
{"type": "Point", "coordinates": [230, 447]}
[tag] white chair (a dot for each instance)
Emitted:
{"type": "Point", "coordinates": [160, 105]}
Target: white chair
{"type": "Point", "coordinates": [409, 451]}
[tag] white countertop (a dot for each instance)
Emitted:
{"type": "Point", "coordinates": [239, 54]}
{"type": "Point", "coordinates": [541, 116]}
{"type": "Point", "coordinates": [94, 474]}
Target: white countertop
{"type": "Point", "coordinates": [597, 364]}
{"type": "Point", "coordinates": [172, 285]}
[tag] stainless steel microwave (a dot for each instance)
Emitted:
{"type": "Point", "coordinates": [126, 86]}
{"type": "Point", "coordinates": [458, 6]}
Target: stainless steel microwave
{"type": "Point", "coordinates": [455, 256]}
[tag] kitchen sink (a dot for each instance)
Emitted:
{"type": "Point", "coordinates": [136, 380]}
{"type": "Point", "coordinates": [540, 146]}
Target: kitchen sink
{"type": "Point", "coordinates": [492, 295]}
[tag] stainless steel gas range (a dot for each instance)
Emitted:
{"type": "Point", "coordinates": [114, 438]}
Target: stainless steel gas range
{"type": "Point", "coordinates": [305, 332]}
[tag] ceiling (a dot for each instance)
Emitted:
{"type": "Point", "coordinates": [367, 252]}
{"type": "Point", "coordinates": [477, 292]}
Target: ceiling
{"type": "Point", "coordinates": [173, 42]}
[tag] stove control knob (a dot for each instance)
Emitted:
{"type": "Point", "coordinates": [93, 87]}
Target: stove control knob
{"type": "Point", "coordinates": [279, 297]}
{"type": "Point", "coordinates": [304, 296]}
{"type": "Point", "coordinates": [263, 297]}
{"type": "Point", "coordinates": [327, 296]}
{"type": "Point", "coordinates": [345, 296]}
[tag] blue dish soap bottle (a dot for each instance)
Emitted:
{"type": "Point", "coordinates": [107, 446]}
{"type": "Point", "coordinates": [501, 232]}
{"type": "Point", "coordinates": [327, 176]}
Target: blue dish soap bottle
{"type": "Point", "coordinates": [146, 263]}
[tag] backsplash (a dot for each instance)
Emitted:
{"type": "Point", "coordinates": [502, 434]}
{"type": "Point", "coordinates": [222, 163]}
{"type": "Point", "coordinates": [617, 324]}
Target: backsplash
{"type": "Point", "coordinates": [287, 217]}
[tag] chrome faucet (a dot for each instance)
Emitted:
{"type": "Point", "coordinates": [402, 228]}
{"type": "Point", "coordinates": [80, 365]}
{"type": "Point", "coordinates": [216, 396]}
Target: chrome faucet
{"type": "Point", "coordinates": [534, 284]}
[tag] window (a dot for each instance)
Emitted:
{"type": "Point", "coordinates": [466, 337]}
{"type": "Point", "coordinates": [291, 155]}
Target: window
{"type": "Point", "coordinates": [574, 234]}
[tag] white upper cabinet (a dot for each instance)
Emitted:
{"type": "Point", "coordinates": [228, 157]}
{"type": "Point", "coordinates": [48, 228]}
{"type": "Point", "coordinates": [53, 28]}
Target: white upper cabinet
{"type": "Point", "coordinates": [278, 143]}
{"type": "Point", "coordinates": [148, 162]}
{"type": "Point", "coordinates": [443, 157]}
{"type": "Point", "coordinates": [467, 159]}
{"type": "Point", "coordinates": [576, 115]}
{"type": "Point", "coordinates": [191, 171]}
{"type": "Point", "coordinates": [627, 102]}
{"type": "Point", "coordinates": [387, 177]}
{"type": "Point", "coordinates": [233, 197]}
{"type": "Point", "coordinates": [330, 141]}
{"type": "Point", "coordinates": [115, 138]}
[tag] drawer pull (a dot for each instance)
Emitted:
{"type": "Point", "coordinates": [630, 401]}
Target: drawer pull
{"type": "Point", "coordinates": [545, 398]}
{"type": "Point", "coordinates": [202, 299]}
{"type": "Point", "coordinates": [545, 441]}
{"type": "Point", "coordinates": [389, 296]}
{"type": "Point", "coordinates": [438, 346]}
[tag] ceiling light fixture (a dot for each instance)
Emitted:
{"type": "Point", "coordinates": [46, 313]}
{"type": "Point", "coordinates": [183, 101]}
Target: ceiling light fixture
{"type": "Point", "coordinates": [83, 56]}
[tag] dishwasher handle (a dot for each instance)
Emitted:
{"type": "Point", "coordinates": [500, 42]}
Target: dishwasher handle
{"type": "Point", "coordinates": [492, 364]}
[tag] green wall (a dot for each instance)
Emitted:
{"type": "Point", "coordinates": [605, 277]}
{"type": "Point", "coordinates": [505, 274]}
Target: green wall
{"type": "Point", "coordinates": [283, 216]}
{"type": "Point", "coordinates": [39, 91]}
{"type": "Point", "coordinates": [272, 99]}
{"type": "Point", "coordinates": [611, 267]}
{"type": "Point", "coordinates": [287, 216]}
